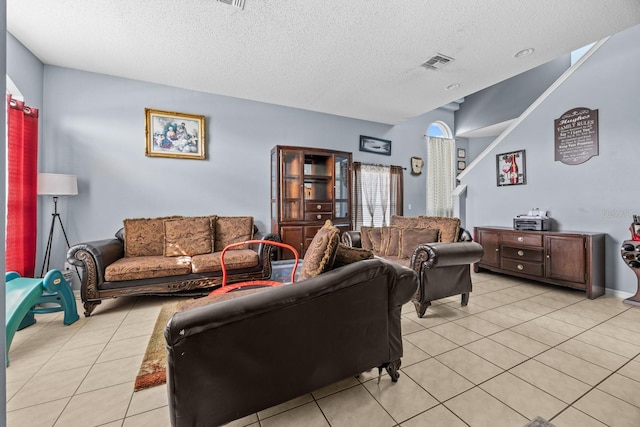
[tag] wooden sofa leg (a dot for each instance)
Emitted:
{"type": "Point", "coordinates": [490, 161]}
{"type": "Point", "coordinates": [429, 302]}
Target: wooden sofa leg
{"type": "Point", "coordinates": [465, 299]}
{"type": "Point", "coordinates": [89, 306]}
{"type": "Point", "coordinates": [421, 307]}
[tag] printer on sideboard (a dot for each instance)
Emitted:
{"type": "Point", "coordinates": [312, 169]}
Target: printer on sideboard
{"type": "Point", "coordinates": [535, 220]}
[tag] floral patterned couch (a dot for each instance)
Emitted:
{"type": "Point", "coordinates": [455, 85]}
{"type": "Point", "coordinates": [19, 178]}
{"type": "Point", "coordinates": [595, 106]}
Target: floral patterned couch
{"type": "Point", "coordinates": [151, 256]}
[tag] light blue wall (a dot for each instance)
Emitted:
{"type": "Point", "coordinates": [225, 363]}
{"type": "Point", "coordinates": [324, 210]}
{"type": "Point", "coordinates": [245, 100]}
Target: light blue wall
{"type": "Point", "coordinates": [25, 70]}
{"type": "Point", "coordinates": [600, 195]}
{"type": "Point", "coordinates": [94, 127]}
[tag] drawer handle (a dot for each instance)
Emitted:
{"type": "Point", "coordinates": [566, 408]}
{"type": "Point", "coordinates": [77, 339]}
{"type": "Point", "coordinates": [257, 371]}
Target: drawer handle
{"type": "Point", "coordinates": [520, 267]}
{"type": "Point", "coordinates": [521, 253]}
{"type": "Point", "coordinates": [319, 216]}
{"type": "Point", "coordinates": [520, 239]}
{"type": "Point", "coordinates": [318, 207]}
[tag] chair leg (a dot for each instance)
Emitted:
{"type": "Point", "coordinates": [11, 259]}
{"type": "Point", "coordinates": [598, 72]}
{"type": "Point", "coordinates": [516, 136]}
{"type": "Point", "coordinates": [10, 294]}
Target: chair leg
{"type": "Point", "coordinates": [421, 307]}
{"type": "Point", "coordinates": [465, 298]}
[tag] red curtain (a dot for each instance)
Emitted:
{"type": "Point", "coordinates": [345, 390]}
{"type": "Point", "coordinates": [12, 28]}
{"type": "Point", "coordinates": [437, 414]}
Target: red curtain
{"type": "Point", "coordinates": [22, 179]}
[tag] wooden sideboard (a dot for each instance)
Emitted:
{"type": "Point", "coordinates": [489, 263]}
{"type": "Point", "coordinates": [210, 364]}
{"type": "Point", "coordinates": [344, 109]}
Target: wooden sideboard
{"type": "Point", "coordinates": [572, 259]}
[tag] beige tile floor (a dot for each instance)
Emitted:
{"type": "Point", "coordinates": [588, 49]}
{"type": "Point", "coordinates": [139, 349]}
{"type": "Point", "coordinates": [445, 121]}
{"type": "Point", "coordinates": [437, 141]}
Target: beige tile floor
{"type": "Point", "coordinates": [517, 351]}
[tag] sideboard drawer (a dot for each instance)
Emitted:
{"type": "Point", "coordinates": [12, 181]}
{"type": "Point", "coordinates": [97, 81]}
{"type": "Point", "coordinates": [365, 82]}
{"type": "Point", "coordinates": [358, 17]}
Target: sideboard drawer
{"type": "Point", "coordinates": [515, 238]}
{"type": "Point", "coordinates": [524, 254]}
{"type": "Point", "coordinates": [532, 268]}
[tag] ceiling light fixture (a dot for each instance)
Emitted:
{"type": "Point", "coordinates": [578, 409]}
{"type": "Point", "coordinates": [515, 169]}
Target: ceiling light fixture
{"type": "Point", "coordinates": [453, 86]}
{"type": "Point", "coordinates": [524, 52]}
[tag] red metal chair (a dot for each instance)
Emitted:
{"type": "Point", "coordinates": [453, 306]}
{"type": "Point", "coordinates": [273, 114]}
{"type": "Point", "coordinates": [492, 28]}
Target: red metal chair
{"type": "Point", "coordinates": [255, 283]}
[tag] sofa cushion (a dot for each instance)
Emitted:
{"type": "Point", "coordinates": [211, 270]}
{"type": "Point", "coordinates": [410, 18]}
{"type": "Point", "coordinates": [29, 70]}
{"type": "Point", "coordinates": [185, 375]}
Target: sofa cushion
{"type": "Point", "coordinates": [233, 260]}
{"type": "Point", "coordinates": [365, 241]}
{"type": "Point", "coordinates": [187, 236]}
{"type": "Point", "coordinates": [144, 236]}
{"type": "Point", "coordinates": [375, 235]}
{"type": "Point", "coordinates": [449, 227]}
{"type": "Point", "coordinates": [232, 229]}
{"type": "Point", "coordinates": [347, 254]}
{"type": "Point", "coordinates": [146, 267]}
{"type": "Point", "coordinates": [321, 253]}
{"type": "Point", "coordinates": [411, 238]}
{"type": "Point", "coordinates": [393, 245]}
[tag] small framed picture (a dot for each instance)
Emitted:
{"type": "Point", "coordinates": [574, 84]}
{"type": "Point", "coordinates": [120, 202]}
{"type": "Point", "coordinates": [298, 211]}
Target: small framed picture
{"type": "Point", "coordinates": [176, 135]}
{"type": "Point", "coordinates": [462, 165]}
{"type": "Point", "coordinates": [375, 145]}
{"type": "Point", "coordinates": [462, 153]}
{"type": "Point", "coordinates": [511, 168]}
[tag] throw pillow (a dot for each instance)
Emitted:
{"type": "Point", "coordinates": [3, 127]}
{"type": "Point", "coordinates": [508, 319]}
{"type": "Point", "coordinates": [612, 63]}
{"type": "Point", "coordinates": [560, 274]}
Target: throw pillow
{"type": "Point", "coordinates": [144, 236]}
{"type": "Point", "coordinates": [365, 241]}
{"type": "Point", "coordinates": [410, 238]}
{"type": "Point", "coordinates": [393, 247]}
{"type": "Point", "coordinates": [187, 236]}
{"type": "Point", "coordinates": [321, 252]}
{"type": "Point", "coordinates": [375, 235]}
{"type": "Point", "coordinates": [347, 255]}
{"type": "Point", "coordinates": [449, 227]}
{"type": "Point", "coordinates": [384, 240]}
{"type": "Point", "coordinates": [232, 229]}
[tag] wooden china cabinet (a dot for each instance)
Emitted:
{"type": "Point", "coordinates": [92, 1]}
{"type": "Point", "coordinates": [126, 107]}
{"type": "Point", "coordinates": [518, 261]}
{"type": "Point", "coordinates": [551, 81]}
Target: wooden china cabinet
{"type": "Point", "coordinates": [308, 186]}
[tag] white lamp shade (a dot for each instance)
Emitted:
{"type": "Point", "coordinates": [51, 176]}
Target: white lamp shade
{"type": "Point", "coordinates": [57, 184]}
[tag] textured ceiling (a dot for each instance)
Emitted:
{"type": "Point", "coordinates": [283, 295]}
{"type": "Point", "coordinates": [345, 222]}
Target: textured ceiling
{"type": "Point", "coordinates": [358, 59]}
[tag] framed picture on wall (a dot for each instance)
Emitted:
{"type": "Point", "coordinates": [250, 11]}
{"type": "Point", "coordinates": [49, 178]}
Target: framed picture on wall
{"type": "Point", "coordinates": [462, 153]}
{"type": "Point", "coordinates": [375, 145]}
{"type": "Point", "coordinates": [176, 135]}
{"type": "Point", "coordinates": [462, 165]}
{"type": "Point", "coordinates": [511, 168]}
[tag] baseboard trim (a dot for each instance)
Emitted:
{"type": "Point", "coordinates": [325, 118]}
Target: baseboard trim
{"type": "Point", "coordinates": [618, 294]}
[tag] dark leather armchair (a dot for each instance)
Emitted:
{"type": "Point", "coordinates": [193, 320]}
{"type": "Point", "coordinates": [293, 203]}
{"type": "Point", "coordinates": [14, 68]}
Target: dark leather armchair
{"type": "Point", "coordinates": [444, 270]}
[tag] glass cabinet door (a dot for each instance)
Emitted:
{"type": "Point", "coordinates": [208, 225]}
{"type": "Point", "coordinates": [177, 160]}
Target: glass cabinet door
{"type": "Point", "coordinates": [292, 164]}
{"type": "Point", "coordinates": [341, 187]}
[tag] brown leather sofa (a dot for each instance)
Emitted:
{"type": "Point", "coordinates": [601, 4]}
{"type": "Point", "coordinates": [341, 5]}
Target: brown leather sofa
{"type": "Point", "coordinates": [233, 358]}
{"type": "Point", "coordinates": [444, 268]}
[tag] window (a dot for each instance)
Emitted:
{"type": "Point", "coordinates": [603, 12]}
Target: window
{"type": "Point", "coordinates": [377, 194]}
{"type": "Point", "coordinates": [439, 129]}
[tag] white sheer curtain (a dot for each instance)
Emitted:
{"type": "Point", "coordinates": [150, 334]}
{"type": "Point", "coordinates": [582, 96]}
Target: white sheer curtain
{"type": "Point", "coordinates": [440, 176]}
{"type": "Point", "coordinates": [375, 193]}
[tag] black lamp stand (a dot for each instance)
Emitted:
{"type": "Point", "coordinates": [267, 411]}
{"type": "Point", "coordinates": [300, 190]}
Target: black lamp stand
{"type": "Point", "coordinates": [47, 254]}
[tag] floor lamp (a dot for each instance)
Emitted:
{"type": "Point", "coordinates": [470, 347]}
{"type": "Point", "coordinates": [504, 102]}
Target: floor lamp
{"type": "Point", "coordinates": [55, 184]}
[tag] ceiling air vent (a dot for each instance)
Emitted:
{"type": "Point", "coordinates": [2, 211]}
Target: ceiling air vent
{"type": "Point", "coordinates": [436, 62]}
{"type": "Point", "coordinates": [237, 3]}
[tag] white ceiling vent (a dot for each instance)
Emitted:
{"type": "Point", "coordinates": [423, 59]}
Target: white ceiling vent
{"type": "Point", "coordinates": [436, 62]}
{"type": "Point", "coordinates": [237, 3]}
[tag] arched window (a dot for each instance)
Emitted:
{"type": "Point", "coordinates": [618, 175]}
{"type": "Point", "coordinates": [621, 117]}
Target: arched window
{"type": "Point", "coordinates": [439, 129]}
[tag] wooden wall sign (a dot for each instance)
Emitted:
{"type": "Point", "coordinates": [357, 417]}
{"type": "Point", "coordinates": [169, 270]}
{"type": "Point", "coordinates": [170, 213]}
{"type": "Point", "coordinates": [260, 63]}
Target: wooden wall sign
{"type": "Point", "coordinates": [576, 136]}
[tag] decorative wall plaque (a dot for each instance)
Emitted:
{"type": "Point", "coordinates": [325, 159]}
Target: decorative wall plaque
{"type": "Point", "coordinates": [576, 136]}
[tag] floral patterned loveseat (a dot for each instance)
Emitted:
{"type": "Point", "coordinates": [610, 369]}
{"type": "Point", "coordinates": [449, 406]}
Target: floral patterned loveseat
{"type": "Point", "coordinates": [151, 256]}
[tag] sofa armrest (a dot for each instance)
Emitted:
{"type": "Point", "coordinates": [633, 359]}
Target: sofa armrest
{"type": "Point", "coordinates": [433, 255]}
{"type": "Point", "coordinates": [351, 238]}
{"type": "Point", "coordinates": [266, 252]}
{"type": "Point", "coordinates": [95, 256]}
